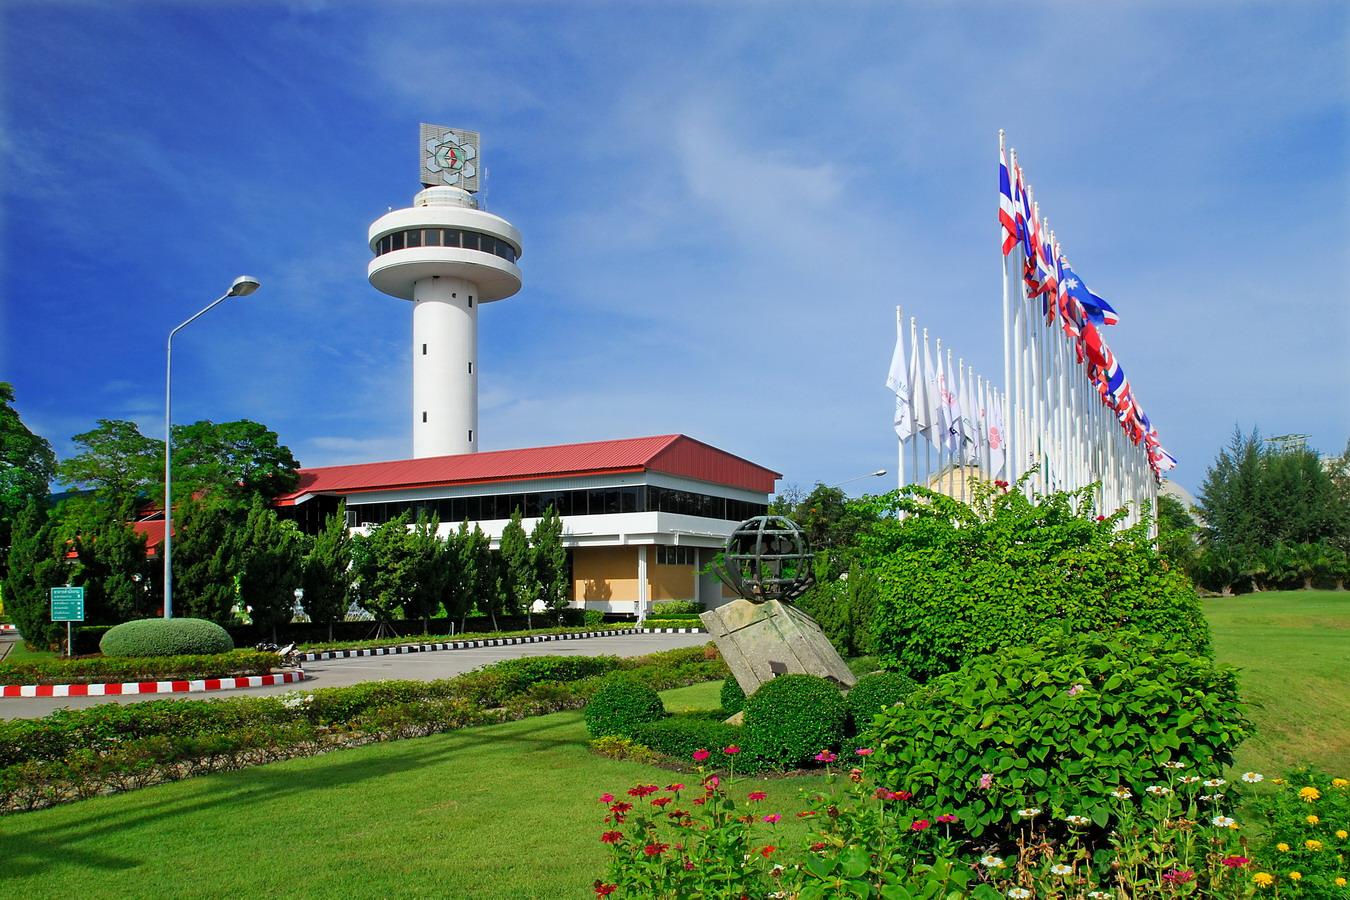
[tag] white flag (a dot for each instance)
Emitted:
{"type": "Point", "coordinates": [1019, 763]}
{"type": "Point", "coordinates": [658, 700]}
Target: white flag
{"type": "Point", "coordinates": [949, 408]}
{"type": "Point", "coordinates": [918, 388]}
{"type": "Point", "coordinates": [970, 432]}
{"type": "Point", "coordinates": [932, 397]}
{"type": "Point", "coordinates": [994, 429]}
{"type": "Point", "coordinates": [897, 379]}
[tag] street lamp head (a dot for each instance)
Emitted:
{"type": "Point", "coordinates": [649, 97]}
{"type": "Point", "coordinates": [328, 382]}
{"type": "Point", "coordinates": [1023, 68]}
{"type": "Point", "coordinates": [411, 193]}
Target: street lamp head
{"type": "Point", "coordinates": [878, 473]}
{"type": "Point", "coordinates": [243, 286]}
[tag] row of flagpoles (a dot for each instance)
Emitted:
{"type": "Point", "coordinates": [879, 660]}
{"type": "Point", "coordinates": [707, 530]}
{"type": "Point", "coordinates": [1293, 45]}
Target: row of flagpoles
{"type": "Point", "coordinates": [959, 412]}
{"type": "Point", "coordinates": [1066, 408]}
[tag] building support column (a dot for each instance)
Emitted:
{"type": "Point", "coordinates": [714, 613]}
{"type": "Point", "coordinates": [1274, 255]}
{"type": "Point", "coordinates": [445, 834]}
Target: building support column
{"type": "Point", "coordinates": [643, 587]}
{"type": "Point", "coordinates": [698, 558]}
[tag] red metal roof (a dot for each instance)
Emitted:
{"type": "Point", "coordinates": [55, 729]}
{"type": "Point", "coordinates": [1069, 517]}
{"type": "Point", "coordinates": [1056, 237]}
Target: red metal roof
{"type": "Point", "coordinates": [674, 454]}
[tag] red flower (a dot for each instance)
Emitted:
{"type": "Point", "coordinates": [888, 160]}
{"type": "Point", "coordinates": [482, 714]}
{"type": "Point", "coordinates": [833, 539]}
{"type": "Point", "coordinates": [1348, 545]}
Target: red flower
{"type": "Point", "coordinates": [660, 801]}
{"type": "Point", "coordinates": [674, 787]}
{"type": "Point", "coordinates": [920, 825]}
{"type": "Point", "coordinates": [606, 798]}
{"type": "Point", "coordinates": [864, 751]}
{"type": "Point", "coordinates": [1178, 876]}
{"type": "Point", "coordinates": [766, 852]}
{"type": "Point", "coordinates": [1103, 519]}
{"type": "Point", "coordinates": [655, 849]}
{"type": "Point", "coordinates": [806, 814]}
{"type": "Point", "coordinates": [642, 790]}
{"type": "Point", "coordinates": [611, 837]}
{"type": "Point", "coordinates": [700, 755]}
{"type": "Point", "coordinates": [689, 865]}
{"type": "Point", "coordinates": [699, 801]}
{"type": "Point", "coordinates": [756, 796]}
{"type": "Point", "coordinates": [825, 756]}
{"type": "Point", "coordinates": [1235, 862]}
{"type": "Point", "coordinates": [620, 808]}
{"type": "Point", "coordinates": [818, 845]}
{"type": "Point", "coordinates": [732, 750]}
{"type": "Point", "coordinates": [604, 890]}
{"type": "Point", "coordinates": [947, 819]}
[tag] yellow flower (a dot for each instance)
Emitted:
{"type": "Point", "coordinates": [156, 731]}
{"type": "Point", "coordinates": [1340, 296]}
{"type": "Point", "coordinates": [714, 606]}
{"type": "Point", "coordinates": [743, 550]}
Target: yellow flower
{"type": "Point", "coordinates": [1314, 846]}
{"type": "Point", "coordinates": [1343, 834]}
{"type": "Point", "coordinates": [1278, 780]}
{"type": "Point", "coordinates": [1312, 820]}
{"type": "Point", "coordinates": [1339, 783]}
{"type": "Point", "coordinates": [1282, 847]}
{"type": "Point", "coordinates": [1263, 879]}
{"type": "Point", "coordinates": [1295, 876]}
{"type": "Point", "coordinates": [1309, 794]}
{"type": "Point", "coordinates": [1340, 882]}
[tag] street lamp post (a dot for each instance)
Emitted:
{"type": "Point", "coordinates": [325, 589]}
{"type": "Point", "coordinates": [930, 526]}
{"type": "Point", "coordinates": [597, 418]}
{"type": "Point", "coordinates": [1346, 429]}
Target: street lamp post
{"type": "Point", "coordinates": [877, 474]}
{"type": "Point", "coordinates": [242, 287]}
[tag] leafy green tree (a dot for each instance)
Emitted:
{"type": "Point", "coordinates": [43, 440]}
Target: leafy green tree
{"type": "Point", "coordinates": [829, 521]}
{"type": "Point", "coordinates": [27, 466]}
{"type": "Point", "coordinates": [520, 581]}
{"type": "Point", "coordinates": [239, 459]}
{"type": "Point", "coordinates": [550, 561]}
{"type": "Point", "coordinates": [116, 460]}
{"type": "Point", "coordinates": [326, 573]}
{"type": "Point", "coordinates": [36, 564]}
{"type": "Point", "coordinates": [1178, 533]}
{"type": "Point", "coordinates": [207, 558]}
{"type": "Point", "coordinates": [386, 571]}
{"type": "Point", "coordinates": [271, 553]}
{"type": "Point", "coordinates": [110, 558]}
{"type": "Point", "coordinates": [475, 572]}
{"type": "Point", "coordinates": [433, 562]}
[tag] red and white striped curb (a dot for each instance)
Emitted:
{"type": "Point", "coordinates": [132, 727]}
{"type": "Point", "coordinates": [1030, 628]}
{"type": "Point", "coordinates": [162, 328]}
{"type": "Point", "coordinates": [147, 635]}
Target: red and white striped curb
{"type": "Point", "coordinates": [400, 649]}
{"type": "Point", "coordinates": [114, 689]}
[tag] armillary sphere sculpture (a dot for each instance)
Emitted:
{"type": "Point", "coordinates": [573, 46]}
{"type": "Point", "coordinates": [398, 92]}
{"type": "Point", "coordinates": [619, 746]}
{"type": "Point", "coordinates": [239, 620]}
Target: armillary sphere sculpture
{"type": "Point", "coordinates": [766, 558]}
{"type": "Point", "coordinates": [767, 562]}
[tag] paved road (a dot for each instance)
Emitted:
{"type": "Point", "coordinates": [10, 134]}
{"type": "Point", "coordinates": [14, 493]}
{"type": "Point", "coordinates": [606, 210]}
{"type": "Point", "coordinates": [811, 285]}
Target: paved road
{"type": "Point", "coordinates": [415, 666]}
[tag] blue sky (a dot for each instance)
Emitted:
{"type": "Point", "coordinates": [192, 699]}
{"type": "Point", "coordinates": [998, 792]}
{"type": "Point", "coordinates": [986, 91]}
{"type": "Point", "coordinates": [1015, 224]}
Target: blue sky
{"type": "Point", "coordinates": [721, 205]}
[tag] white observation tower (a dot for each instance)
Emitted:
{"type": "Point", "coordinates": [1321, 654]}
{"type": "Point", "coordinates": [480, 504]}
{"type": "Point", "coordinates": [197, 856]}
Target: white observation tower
{"type": "Point", "coordinates": [448, 257]}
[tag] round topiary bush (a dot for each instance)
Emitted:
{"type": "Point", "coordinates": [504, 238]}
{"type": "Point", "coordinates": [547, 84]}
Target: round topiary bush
{"type": "Point", "coordinates": [792, 718]}
{"type": "Point", "coordinates": [875, 692]}
{"type": "Point", "coordinates": [165, 637]}
{"type": "Point", "coordinates": [733, 698]}
{"type": "Point", "coordinates": [620, 706]}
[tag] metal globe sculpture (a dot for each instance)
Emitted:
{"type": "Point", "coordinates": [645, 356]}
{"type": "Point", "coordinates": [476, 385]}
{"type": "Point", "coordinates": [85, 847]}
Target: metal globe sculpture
{"type": "Point", "coordinates": [767, 558]}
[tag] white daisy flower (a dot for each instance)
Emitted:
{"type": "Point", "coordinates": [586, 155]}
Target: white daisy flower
{"type": "Point", "coordinates": [1019, 893]}
{"type": "Point", "coordinates": [1189, 779]}
{"type": "Point", "coordinates": [1158, 790]}
{"type": "Point", "coordinates": [1099, 895]}
{"type": "Point", "coordinates": [1030, 812]}
{"type": "Point", "coordinates": [1077, 820]}
{"type": "Point", "coordinates": [1215, 782]}
{"type": "Point", "coordinates": [1223, 821]}
{"type": "Point", "coordinates": [1061, 869]}
{"type": "Point", "coordinates": [992, 862]}
{"type": "Point", "coordinates": [1122, 794]}
{"type": "Point", "coordinates": [1174, 764]}
{"type": "Point", "coordinates": [1253, 777]}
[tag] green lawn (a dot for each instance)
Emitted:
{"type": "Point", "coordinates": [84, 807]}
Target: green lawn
{"type": "Point", "coordinates": [1293, 648]}
{"type": "Point", "coordinates": [495, 812]}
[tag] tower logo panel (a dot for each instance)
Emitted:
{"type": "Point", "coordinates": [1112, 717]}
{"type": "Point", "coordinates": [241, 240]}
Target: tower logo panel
{"type": "Point", "coordinates": [450, 156]}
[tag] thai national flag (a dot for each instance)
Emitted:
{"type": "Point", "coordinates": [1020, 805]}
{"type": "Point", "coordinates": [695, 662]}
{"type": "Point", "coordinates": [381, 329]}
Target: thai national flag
{"type": "Point", "coordinates": [1022, 204]}
{"type": "Point", "coordinates": [1007, 213]}
{"type": "Point", "coordinates": [1095, 347]}
{"type": "Point", "coordinates": [1094, 307]}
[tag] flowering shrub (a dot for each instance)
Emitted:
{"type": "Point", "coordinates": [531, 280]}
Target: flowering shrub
{"type": "Point", "coordinates": [788, 720]}
{"type": "Point", "coordinates": [1058, 726]}
{"type": "Point", "coordinates": [1305, 847]}
{"type": "Point", "coordinates": [620, 706]}
{"type": "Point", "coordinates": [875, 839]}
{"type": "Point", "coordinates": [958, 580]}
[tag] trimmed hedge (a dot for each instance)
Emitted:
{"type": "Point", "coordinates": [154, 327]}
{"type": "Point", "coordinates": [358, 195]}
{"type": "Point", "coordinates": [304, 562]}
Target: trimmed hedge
{"type": "Point", "coordinates": [680, 735]}
{"type": "Point", "coordinates": [154, 668]}
{"type": "Point", "coordinates": [733, 697]}
{"type": "Point", "coordinates": [670, 609]}
{"type": "Point", "coordinates": [875, 692]}
{"type": "Point", "coordinates": [792, 718]}
{"type": "Point", "coordinates": [165, 637]}
{"type": "Point", "coordinates": [683, 622]}
{"type": "Point", "coordinates": [620, 706]}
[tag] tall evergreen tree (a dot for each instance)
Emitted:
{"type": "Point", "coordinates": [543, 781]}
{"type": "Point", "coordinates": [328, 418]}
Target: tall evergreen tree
{"type": "Point", "coordinates": [550, 561]}
{"type": "Point", "coordinates": [521, 581]}
{"type": "Point", "coordinates": [27, 466]}
{"type": "Point", "coordinates": [326, 574]}
{"type": "Point", "coordinates": [271, 552]}
{"type": "Point", "coordinates": [476, 573]}
{"type": "Point", "coordinates": [385, 569]}
{"type": "Point", "coordinates": [207, 559]}
{"type": "Point", "coordinates": [433, 565]}
{"type": "Point", "coordinates": [36, 564]}
{"type": "Point", "coordinates": [110, 559]}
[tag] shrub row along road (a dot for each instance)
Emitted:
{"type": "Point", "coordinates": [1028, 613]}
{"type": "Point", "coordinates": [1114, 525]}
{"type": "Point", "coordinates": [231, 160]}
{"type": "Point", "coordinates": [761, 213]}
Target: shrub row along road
{"type": "Point", "coordinates": [411, 666]}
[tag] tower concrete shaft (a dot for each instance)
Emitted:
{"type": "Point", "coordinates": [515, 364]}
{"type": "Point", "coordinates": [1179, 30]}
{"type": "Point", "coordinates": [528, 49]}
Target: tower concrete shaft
{"type": "Point", "coordinates": [449, 258]}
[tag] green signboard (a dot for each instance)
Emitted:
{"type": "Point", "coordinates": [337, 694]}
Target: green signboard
{"type": "Point", "coordinates": [67, 604]}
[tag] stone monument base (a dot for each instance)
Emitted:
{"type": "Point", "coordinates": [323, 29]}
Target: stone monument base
{"type": "Point", "coordinates": [761, 641]}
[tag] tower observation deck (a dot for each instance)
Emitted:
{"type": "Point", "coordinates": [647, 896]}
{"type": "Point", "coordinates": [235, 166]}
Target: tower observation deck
{"type": "Point", "coordinates": [448, 257]}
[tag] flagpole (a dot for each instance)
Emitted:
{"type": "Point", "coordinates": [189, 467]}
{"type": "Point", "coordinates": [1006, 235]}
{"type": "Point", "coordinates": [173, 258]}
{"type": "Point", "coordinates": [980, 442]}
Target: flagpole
{"type": "Point", "coordinates": [900, 443]}
{"type": "Point", "coordinates": [915, 366]}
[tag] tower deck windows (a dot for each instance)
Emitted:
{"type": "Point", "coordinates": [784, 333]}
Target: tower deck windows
{"type": "Point", "coordinates": [445, 237]}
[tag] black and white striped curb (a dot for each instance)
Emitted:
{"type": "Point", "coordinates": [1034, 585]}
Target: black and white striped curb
{"type": "Point", "coordinates": [487, 642]}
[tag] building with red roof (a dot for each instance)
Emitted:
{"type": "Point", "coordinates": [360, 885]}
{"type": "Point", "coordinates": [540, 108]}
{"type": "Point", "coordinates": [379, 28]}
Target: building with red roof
{"type": "Point", "coordinates": [641, 516]}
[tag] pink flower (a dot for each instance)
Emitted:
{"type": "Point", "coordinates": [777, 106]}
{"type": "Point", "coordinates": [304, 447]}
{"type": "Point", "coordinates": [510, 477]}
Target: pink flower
{"type": "Point", "coordinates": [947, 819]}
{"type": "Point", "coordinates": [712, 783]}
{"type": "Point", "coordinates": [986, 781]}
{"type": "Point", "coordinates": [1178, 876]}
{"type": "Point", "coordinates": [1235, 862]}
{"type": "Point", "coordinates": [864, 751]}
{"type": "Point", "coordinates": [756, 796]}
{"type": "Point", "coordinates": [826, 756]}
{"type": "Point", "coordinates": [1075, 690]}
{"type": "Point", "coordinates": [606, 798]}
{"type": "Point", "coordinates": [689, 865]}
{"type": "Point", "coordinates": [732, 750]}
{"type": "Point", "coordinates": [920, 825]}
{"type": "Point", "coordinates": [773, 818]}
{"type": "Point", "coordinates": [700, 755]}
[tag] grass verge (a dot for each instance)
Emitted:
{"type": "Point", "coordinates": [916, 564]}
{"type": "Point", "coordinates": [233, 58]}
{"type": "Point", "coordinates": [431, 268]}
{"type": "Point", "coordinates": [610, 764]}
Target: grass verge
{"type": "Point", "coordinates": [501, 811]}
{"type": "Point", "coordinates": [1293, 650]}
